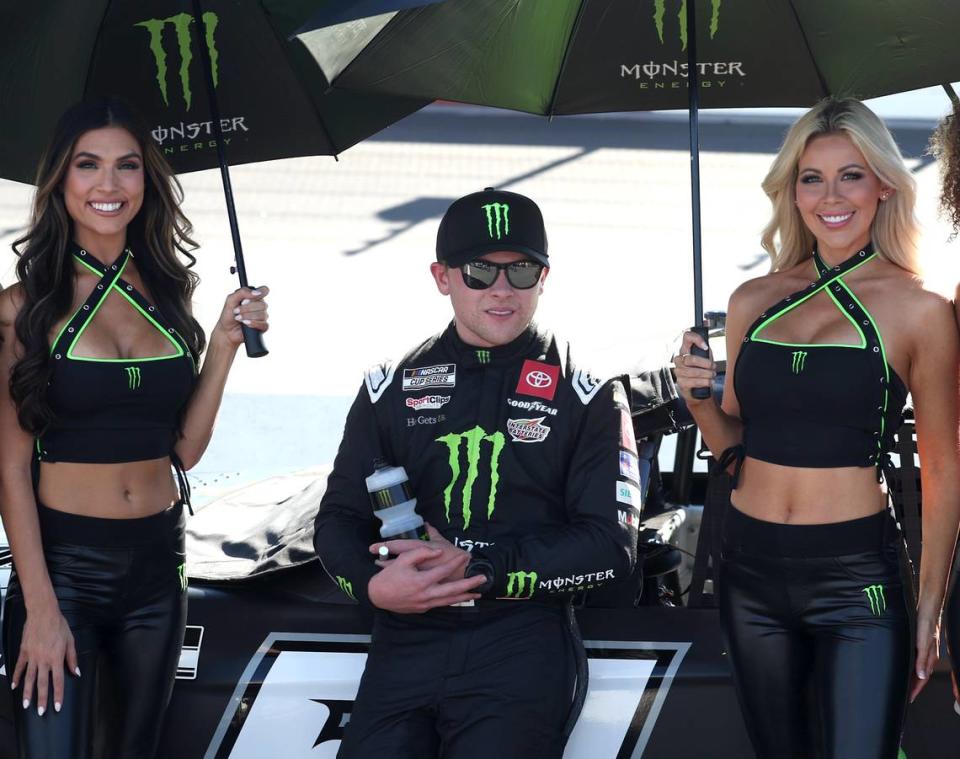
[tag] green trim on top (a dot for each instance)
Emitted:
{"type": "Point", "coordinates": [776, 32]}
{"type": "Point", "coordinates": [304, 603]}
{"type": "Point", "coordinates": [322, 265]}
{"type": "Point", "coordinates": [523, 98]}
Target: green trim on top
{"type": "Point", "coordinates": [883, 350]}
{"type": "Point", "coordinates": [804, 299]}
{"type": "Point", "coordinates": [845, 312]}
{"type": "Point", "coordinates": [114, 286]}
{"type": "Point", "coordinates": [806, 345]}
{"type": "Point", "coordinates": [886, 366]}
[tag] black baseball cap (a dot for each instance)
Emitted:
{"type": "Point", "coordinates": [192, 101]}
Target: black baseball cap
{"type": "Point", "coordinates": [488, 221]}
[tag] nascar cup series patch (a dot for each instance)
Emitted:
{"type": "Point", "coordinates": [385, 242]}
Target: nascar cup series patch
{"type": "Point", "coordinates": [528, 430]}
{"type": "Point", "coordinates": [429, 377]}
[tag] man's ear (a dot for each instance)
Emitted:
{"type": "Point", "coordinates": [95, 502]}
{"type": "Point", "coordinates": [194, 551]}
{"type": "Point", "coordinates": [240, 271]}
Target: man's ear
{"type": "Point", "coordinates": [543, 279]}
{"type": "Point", "coordinates": [441, 275]}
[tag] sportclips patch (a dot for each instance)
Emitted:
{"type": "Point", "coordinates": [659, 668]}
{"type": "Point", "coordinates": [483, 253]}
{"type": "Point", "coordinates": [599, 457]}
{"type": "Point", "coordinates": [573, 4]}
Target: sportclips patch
{"type": "Point", "coordinates": [528, 430]}
{"type": "Point", "coordinates": [442, 375]}
{"type": "Point", "coordinates": [538, 379]}
{"type": "Point", "coordinates": [312, 679]}
{"type": "Point", "coordinates": [431, 402]}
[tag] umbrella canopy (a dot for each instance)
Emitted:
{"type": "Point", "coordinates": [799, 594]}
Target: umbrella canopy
{"type": "Point", "coordinates": [274, 101]}
{"type": "Point", "coordinates": [218, 80]}
{"type": "Point", "coordinates": [590, 56]}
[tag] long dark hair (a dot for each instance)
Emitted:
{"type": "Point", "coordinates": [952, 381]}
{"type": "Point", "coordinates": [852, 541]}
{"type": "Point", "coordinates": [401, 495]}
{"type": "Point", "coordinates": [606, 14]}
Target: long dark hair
{"type": "Point", "coordinates": [158, 235]}
{"type": "Point", "coordinates": [945, 145]}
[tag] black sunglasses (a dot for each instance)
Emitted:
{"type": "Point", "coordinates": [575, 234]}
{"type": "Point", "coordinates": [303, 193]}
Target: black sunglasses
{"type": "Point", "coordinates": [480, 274]}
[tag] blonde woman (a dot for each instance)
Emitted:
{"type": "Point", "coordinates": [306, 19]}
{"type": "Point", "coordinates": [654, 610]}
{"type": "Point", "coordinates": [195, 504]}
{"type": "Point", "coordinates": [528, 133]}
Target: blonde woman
{"type": "Point", "coordinates": [822, 353]}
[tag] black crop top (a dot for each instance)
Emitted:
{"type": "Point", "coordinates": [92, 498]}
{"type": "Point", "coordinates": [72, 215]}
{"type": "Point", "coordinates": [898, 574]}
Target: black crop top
{"type": "Point", "coordinates": [819, 405]}
{"type": "Point", "coordinates": [114, 410]}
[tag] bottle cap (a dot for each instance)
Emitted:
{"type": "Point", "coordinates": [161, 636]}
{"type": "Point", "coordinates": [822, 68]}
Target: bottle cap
{"type": "Point", "coordinates": [384, 552]}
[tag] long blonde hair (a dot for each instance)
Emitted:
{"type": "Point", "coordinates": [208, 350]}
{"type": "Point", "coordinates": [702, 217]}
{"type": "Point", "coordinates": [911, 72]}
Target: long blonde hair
{"type": "Point", "coordinates": [895, 229]}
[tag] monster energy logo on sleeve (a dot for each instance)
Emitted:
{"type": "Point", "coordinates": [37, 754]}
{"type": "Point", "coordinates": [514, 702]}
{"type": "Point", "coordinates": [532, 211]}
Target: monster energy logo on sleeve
{"type": "Point", "coordinates": [799, 359]}
{"type": "Point", "coordinates": [660, 9]}
{"type": "Point", "coordinates": [878, 601]}
{"type": "Point", "coordinates": [182, 574]}
{"type": "Point", "coordinates": [181, 24]}
{"type": "Point", "coordinates": [133, 377]}
{"type": "Point", "coordinates": [521, 584]}
{"type": "Point", "coordinates": [346, 587]}
{"type": "Point", "coordinates": [497, 213]}
{"type": "Point", "coordinates": [473, 438]}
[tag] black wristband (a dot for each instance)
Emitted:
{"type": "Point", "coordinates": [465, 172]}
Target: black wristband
{"type": "Point", "coordinates": [478, 566]}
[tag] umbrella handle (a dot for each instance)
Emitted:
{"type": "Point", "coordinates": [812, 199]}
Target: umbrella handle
{"type": "Point", "coordinates": [252, 339]}
{"type": "Point", "coordinates": [253, 342]}
{"type": "Point", "coordinates": [700, 393]}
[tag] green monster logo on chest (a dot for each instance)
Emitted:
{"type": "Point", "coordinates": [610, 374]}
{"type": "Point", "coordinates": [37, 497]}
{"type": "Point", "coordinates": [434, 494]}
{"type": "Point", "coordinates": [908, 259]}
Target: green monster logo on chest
{"type": "Point", "coordinates": [799, 361]}
{"type": "Point", "coordinates": [473, 439]}
{"type": "Point", "coordinates": [133, 377]}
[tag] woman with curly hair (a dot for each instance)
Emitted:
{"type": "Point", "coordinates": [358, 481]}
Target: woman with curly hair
{"type": "Point", "coordinates": [945, 146]}
{"type": "Point", "coordinates": [821, 354]}
{"type": "Point", "coordinates": [104, 401]}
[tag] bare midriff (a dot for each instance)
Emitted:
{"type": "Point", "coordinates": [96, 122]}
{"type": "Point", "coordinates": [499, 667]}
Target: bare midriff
{"type": "Point", "coordinates": [110, 491]}
{"type": "Point", "coordinates": [802, 495]}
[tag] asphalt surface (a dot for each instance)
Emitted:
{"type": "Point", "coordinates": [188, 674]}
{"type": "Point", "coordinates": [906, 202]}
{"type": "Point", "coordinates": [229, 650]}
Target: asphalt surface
{"type": "Point", "coordinates": [345, 248]}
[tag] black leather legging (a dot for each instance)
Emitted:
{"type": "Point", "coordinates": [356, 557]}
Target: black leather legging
{"type": "Point", "coordinates": [952, 619]}
{"type": "Point", "coordinates": [121, 586]}
{"type": "Point", "coordinates": [816, 625]}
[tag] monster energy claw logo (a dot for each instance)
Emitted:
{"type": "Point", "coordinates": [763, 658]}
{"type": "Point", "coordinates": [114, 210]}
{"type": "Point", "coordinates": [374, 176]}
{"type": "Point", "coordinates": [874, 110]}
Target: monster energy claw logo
{"type": "Point", "coordinates": [521, 584]}
{"type": "Point", "coordinates": [660, 9]}
{"type": "Point", "coordinates": [483, 357]}
{"type": "Point", "coordinates": [182, 574]}
{"type": "Point", "coordinates": [799, 359]}
{"type": "Point", "coordinates": [497, 212]}
{"type": "Point", "coordinates": [346, 587]}
{"type": "Point", "coordinates": [181, 24]}
{"type": "Point", "coordinates": [473, 438]}
{"type": "Point", "coordinates": [877, 598]}
{"type": "Point", "coordinates": [133, 377]}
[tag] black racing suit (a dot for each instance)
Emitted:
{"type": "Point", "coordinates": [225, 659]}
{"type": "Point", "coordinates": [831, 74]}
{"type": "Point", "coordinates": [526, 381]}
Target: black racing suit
{"type": "Point", "coordinates": [528, 463]}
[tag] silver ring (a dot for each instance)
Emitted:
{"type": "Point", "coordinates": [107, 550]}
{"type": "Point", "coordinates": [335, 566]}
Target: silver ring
{"type": "Point", "coordinates": [683, 358]}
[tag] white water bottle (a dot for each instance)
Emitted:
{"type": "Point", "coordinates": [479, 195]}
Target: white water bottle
{"type": "Point", "coordinates": [394, 504]}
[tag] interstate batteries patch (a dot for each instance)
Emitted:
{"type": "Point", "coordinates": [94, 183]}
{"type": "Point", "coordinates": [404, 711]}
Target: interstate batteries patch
{"type": "Point", "coordinates": [423, 377]}
{"type": "Point", "coordinates": [528, 430]}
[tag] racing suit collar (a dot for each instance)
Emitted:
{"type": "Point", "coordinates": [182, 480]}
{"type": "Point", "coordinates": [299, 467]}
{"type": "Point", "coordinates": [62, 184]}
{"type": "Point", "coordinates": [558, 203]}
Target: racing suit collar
{"type": "Point", "coordinates": [471, 356]}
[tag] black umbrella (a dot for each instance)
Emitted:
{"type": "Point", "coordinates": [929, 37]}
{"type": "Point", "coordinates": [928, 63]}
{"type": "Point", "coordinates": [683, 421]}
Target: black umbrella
{"type": "Point", "coordinates": [588, 56]}
{"type": "Point", "coordinates": [218, 81]}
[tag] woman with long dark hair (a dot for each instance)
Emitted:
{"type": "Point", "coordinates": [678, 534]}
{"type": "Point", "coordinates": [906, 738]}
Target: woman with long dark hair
{"type": "Point", "coordinates": [104, 403]}
{"type": "Point", "coordinates": [821, 355]}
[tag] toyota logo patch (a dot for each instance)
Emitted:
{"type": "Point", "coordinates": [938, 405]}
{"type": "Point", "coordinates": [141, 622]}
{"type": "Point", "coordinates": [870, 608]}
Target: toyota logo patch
{"type": "Point", "coordinates": [538, 379]}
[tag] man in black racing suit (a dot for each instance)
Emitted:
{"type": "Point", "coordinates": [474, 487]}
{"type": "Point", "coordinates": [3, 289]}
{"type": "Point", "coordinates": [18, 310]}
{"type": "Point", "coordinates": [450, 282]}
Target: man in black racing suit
{"type": "Point", "coordinates": [525, 469]}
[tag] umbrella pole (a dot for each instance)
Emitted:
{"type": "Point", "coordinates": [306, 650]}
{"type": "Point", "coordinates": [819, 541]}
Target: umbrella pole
{"type": "Point", "coordinates": [952, 94]}
{"type": "Point", "coordinates": [252, 339]}
{"type": "Point", "coordinates": [693, 82]}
